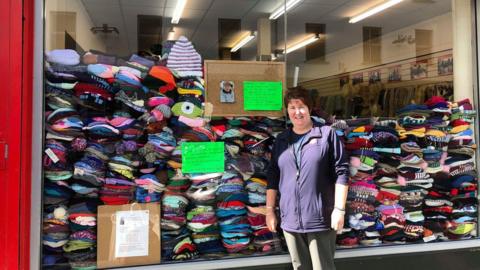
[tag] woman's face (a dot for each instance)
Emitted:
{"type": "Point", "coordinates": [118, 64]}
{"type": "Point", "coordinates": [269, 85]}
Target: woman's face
{"type": "Point", "coordinates": [298, 113]}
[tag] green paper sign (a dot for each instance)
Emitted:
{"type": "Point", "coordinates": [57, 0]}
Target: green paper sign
{"type": "Point", "coordinates": [262, 96]}
{"type": "Point", "coordinates": [203, 157]}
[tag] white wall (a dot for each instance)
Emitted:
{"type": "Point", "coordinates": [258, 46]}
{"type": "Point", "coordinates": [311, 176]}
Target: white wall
{"type": "Point", "coordinates": [351, 58]}
{"type": "Point", "coordinates": [84, 37]}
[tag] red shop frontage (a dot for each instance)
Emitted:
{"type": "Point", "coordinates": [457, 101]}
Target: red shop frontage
{"type": "Point", "coordinates": [366, 71]}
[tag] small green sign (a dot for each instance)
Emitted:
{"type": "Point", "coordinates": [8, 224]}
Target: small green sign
{"type": "Point", "coordinates": [262, 96]}
{"type": "Point", "coordinates": [203, 157]}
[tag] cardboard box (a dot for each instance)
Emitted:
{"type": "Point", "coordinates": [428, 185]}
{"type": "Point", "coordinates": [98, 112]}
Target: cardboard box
{"type": "Point", "coordinates": [128, 235]}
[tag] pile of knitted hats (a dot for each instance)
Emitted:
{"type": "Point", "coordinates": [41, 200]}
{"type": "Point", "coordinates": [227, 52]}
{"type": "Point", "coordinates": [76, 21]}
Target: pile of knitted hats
{"type": "Point", "coordinates": [65, 100]}
{"type": "Point", "coordinates": [80, 248]}
{"type": "Point", "coordinates": [202, 220]}
{"type": "Point", "coordinates": [186, 63]}
{"type": "Point", "coordinates": [263, 240]}
{"type": "Point", "coordinates": [114, 130]}
{"type": "Point", "coordinates": [463, 174]}
{"type": "Point", "coordinates": [421, 168]}
{"type": "Point", "coordinates": [412, 175]}
{"type": "Point", "coordinates": [56, 233]}
{"type": "Point", "coordinates": [187, 124]}
{"type": "Point", "coordinates": [232, 213]}
{"type": "Point", "coordinates": [415, 172]}
{"type": "Point", "coordinates": [176, 241]}
{"type": "Point", "coordinates": [361, 206]}
{"type": "Point", "coordinates": [97, 113]}
{"type": "Point", "coordinates": [360, 216]}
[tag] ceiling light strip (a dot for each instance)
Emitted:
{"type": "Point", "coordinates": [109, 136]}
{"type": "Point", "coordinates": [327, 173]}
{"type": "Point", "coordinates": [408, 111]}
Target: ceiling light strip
{"type": "Point", "coordinates": [177, 13]}
{"type": "Point", "coordinates": [301, 44]}
{"type": "Point", "coordinates": [242, 42]}
{"type": "Point", "coordinates": [279, 11]}
{"type": "Point", "coordinates": [374, 10]}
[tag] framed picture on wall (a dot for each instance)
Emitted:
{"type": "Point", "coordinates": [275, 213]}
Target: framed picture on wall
{"type": "Point", "coordinates": [445, 65]}
{"type": "Point", "coordinates": [394, 73]}
{"type": "Point", "coordinates": [227, 92]}
{"type": "Point", "coordinates": [418, 70]}
{"type": "Point", "coordinates": [374, 76]}
{"type": "Point", "coordinates": [344, 80]}
{"type": "Point", "coordinates": [357, 78]}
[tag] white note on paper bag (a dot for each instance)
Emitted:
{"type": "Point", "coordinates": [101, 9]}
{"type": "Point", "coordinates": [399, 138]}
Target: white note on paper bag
{"type": "Point", "coordinates": [131, 233]}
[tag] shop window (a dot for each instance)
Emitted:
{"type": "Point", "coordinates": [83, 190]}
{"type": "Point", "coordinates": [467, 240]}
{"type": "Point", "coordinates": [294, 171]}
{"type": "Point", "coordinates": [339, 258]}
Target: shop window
{"type": "Point", "coordinates": [159, 126]}
{"type": "Point", "coordinates": [377, 69]}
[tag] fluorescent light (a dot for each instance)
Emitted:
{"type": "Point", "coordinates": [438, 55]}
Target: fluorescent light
{"type": "Point", "coordinates": [177, 13]}
{"type": "Point", "coordinates": [171, 35]}
{"type": "Point", "coordinates": [242, 42]}
{"type": "Point", "coordinates": [374, 10]}
{"type": "Point", "coordinates": [279, 11]}
{"type": "Point", "coordinates": [301, 44]}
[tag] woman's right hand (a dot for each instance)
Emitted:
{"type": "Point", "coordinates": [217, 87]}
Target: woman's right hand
{"type": "Point", "coordinates": [271, 220]}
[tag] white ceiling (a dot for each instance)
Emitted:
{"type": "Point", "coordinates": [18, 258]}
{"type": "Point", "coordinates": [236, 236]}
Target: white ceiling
{"type": "Point", "coordinates": [200, 18]}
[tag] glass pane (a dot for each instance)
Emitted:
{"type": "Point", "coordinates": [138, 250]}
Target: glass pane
{"type": "Point", "coordinates": [132, 92]}
{"type": "Point", "coordinates": [386, 84]}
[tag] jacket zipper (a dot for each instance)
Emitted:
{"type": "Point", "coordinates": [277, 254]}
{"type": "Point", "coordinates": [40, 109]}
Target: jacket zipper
{"type": "Point", "coordinates": [298, 200]}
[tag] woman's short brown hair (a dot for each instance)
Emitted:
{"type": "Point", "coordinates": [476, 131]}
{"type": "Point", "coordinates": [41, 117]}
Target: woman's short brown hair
{"type": "Point", "coordinates": [298, 93]}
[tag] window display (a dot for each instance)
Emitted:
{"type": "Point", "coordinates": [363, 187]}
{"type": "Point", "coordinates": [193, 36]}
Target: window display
{"type": "Point", "coordinates": [406, 184]}
{"type": "Point", "coordinates": [185, 126]}
{"type": "Point", "coordinates": [114, 136]}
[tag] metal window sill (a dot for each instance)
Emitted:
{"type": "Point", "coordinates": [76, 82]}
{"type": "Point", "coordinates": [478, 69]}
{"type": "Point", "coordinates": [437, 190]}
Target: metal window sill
{"type": "Point", "coordinates": [340, 254]}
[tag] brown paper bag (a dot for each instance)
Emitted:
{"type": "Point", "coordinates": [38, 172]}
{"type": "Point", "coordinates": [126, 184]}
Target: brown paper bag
{"type": "Point", "coordinates": [131, 216]}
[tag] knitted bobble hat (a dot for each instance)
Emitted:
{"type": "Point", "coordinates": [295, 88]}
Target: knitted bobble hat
{"type": "Point", "coordinates": [184, 59]}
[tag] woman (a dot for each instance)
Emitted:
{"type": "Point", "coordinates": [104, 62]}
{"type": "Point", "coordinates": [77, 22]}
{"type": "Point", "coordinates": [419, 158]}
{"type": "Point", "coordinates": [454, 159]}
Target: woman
{"type": "Point", "coordinates": [309, 170]}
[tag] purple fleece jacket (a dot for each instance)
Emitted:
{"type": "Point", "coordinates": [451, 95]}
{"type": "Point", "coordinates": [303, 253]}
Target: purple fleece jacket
{"type": "Point", "coordinates": [307, 195]}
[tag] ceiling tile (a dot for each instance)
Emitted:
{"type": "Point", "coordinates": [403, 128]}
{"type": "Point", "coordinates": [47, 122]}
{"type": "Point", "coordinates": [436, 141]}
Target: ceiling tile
{"type": "Point", "coordinates": [142, 3]}
{"type": "Point", "coordinates": [100, 3]}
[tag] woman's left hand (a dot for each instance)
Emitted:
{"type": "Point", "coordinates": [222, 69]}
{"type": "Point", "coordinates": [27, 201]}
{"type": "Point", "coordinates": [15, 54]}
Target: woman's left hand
{"type": "Point", "coordinates": [338, 219]}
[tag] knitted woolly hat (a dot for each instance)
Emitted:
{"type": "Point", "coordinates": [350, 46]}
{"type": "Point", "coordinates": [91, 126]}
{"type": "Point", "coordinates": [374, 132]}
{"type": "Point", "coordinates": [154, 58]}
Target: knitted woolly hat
{"type": "Point", "coordinates": [184, 59]}
{"type": "Point", "coordinates": [160, 78]}
{"type": "Point", "coordinates": [65, 57]}
{"type": "Point", "coordinates": [141, 60]}
{"type": "Point", "coordinates": [191, 86]}
{"type": "Point", "coordinates": [188, 106]}
{"type": "Point", "coordinates": [102, 70]}
{"type": "Point", "coordinates": [94, 57]}
{"type": "Point", "coordinates": [127, 77]}
{"type": "Point", "coordinates": [159, 100]}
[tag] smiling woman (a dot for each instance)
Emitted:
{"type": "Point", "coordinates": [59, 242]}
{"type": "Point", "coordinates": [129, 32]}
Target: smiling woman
{"type": "Point", "coordinates": [313, 206]}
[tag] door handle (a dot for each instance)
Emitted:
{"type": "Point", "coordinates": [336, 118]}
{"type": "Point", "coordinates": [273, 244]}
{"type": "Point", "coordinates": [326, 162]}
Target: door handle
{"type": "Point", "coordinates": [3, 154]}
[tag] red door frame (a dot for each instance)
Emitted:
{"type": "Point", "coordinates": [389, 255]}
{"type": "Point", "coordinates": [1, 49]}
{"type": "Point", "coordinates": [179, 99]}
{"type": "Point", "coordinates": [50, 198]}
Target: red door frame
{"type": "Point", "coordinates": [28, 17]}
{"type": "Point", "coordinates": [16, 47]}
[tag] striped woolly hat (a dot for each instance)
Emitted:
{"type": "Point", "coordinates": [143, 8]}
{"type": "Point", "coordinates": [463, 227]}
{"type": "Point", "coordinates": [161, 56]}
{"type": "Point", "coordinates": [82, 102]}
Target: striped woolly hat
{"type": "Point", "coordinates": [184, 59]}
